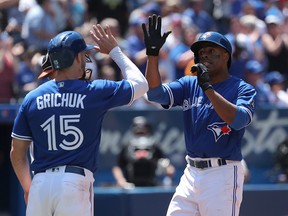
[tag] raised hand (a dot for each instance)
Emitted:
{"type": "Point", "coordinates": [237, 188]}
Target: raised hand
{"type": "Point", "coordinates": [152, 38]}
{"type": "Point", "coordinates": [104, 39]}
{"type": "Point", "coordinates": [202, 76]}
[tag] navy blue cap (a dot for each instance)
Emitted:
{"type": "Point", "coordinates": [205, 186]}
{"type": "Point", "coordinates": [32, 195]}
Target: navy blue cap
{"type": "Point", "coordinates": [274, 77]}
{"type": "Point", "coordinates": [152, 8]}
{"type": "Point", "coordinates": [254, 67]}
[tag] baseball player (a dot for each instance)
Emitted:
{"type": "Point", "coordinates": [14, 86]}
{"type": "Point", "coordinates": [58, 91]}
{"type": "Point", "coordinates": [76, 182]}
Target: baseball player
{"type": "Point", "coordinates": [60, 121]}
{"type": "Point", "coordinates": [216, 109]}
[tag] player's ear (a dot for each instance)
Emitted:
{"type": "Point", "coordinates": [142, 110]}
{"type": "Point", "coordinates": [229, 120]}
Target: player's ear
{"type": "Point", "coordinates": [78, 58]}
{"type": "Point", "coordinates": [226, 56]}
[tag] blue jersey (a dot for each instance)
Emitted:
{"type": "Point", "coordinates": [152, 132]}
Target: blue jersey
{"type": "Point", "coordinates": [206, 134]}
{"type": "Point", "coordinates": [63, 119]}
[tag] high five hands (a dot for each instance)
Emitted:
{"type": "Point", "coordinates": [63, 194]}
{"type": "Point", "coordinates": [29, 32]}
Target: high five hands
{"type": "Point", "coordinates": [152, 38]}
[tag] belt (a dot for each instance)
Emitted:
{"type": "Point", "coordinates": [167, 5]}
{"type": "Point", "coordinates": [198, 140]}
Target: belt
{"type": "Point", "coordinates": [67, 169]}
{"type": "Point", "coordinates": [202, 164]}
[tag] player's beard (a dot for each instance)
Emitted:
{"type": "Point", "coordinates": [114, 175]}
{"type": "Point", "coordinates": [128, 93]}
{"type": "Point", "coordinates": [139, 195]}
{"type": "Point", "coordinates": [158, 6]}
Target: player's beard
{"type": "Point", "coordinates": [83, 69]}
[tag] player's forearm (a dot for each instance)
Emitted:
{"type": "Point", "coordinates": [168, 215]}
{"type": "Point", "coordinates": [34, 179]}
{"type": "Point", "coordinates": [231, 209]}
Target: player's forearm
{"type": "Point", "coordinates": [21, 167]}
{"type": "Point", "coordinates": [152, 72]}
{"type": "Point", "coordinates": [22, 172]}
{"type": "Point", "coordinates": [130, 72]}
{"type": "Point", "coordinates": [225, 109]}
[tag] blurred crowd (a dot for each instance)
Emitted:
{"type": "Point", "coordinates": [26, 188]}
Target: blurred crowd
{"type": "Point", "coordinates": [257, 30]}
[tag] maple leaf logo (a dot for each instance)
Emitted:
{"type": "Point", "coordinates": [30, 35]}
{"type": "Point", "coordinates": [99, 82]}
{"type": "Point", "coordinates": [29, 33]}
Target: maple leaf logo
{"type": "Point", "coordinates": [219, 129]}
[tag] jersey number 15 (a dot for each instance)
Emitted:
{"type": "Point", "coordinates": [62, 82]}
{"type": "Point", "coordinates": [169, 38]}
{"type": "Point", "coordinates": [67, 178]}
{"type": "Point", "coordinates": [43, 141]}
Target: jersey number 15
{"type": "Point", "coordinates": [66, 129]}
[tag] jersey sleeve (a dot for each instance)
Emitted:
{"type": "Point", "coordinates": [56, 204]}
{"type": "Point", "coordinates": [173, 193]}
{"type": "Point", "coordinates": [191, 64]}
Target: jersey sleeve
{"type": "Point", "coordinates": [180, 89]}
{"type": "Point", "coordinates": [130, 72]}
{"type": "Point", "coordinates": [246, 99]}
{"type": "Point", "coordinates": [21, 129]}
{"type": "Point", "coordinates": [113, 94]}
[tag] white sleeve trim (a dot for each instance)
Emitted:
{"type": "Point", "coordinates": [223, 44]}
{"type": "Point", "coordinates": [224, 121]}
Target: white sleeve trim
{"type": "Point", "coordinates": [249, 113]}
{"type": "Point", "coordinates": [20, 137]}
{"type": "Point", "coordinates": [132, 94]}
{"type": "Point", "coordinates": [170, 95]}
{"type": "Point", "coordinates": [130, 72]}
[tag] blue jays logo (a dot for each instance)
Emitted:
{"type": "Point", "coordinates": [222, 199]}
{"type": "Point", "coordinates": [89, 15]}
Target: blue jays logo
{"type": "Point", "coordinates": [206, 35]}
{"type": "Point", "coordinates": [219, 129]}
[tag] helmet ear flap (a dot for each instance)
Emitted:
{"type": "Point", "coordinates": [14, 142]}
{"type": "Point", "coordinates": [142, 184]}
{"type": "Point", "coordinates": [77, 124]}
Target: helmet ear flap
{"type": "Point", "coordinates": [58, 60]}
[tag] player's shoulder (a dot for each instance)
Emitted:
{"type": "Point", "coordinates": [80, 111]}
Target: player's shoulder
{"type": "Point", "coordinates": [241, 84]}
{"type": "Point", "coordinates": [40, 88]}
{"type": "Point", "coordinates": [185, 82]}
{"type": "Point", "coordinates": [187, 79]}
{"type": "Point", "coordinates": [240, 81]}
{"type": "Point", "coordinates": [102, 83]}
{"type": "Point", "coordinates": [107, 84]}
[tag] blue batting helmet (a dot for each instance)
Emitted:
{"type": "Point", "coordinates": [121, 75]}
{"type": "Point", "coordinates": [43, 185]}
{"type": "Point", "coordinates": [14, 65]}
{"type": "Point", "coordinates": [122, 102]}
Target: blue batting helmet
{"type": "Point", "coordinates": [63, 48]}
{"type": "Point", "coordinates": [215, 38]}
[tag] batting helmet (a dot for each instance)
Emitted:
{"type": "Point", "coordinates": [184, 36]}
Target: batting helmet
{"type": "Point", "coordinates": [46, 67]}
{"type": "Point", "coordinates": [215, 38]}
{"type": "Point", "coordinates": [63, 48]}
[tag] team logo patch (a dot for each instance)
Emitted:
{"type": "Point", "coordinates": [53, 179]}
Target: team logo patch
{"type": "Point", "coordinates": [219, 129]}
{"type": "Point", "coordinates": [61, 84]}
{"type": "Point", "coordinates": [206, 35]}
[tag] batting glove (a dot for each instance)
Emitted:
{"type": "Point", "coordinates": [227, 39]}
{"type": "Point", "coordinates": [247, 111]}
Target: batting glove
{"type": "Point", "coordinates": [152, 38]}
{"type": "Point", "coordinates": [202, 76]}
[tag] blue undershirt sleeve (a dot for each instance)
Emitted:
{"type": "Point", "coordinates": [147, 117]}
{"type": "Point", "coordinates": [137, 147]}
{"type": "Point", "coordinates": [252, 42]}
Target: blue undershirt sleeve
{"type": "Point", "coordinates": [158, 95]}
{"type": "Point", "coordinates": [241, 120]}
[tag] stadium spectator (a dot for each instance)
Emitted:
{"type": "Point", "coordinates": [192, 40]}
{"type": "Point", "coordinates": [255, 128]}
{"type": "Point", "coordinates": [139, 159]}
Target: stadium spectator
{"type": "Point", "coordinates": [135, 41]}
{"type": "Point", "coordinates": [254, 75]}
{"type": "Point", "coordinates": [26, 75]}
{"type": "Point", "coordinates": [15, 18]}
{"type": "Point", "coordinates": [182, 36]}
{"type": "Point", "coordinates": [102, 9]}
{"type": "Point", "coordinates": [103, 61]}
{"type": "Point", "coordinates": [38, 26]}
{"type": "Point", "coordinates": [5, 6]}
{"type": "Point", "coordinates": [277, 85]}
{"type": "Point", "coordinates": [7, 69]}
{"type": "Point", "coordinates": [252, 30]}
{"type": "Point", "coordinates": [275, 43]}
{"type": "Point", "coordinates": [77, 11]}
{"type": "Point", "coordinates": [201, 18]}
{"type": "Point", "coordinates": [181, 55]}
{"type": "Point", "coordinates": [239, 51]}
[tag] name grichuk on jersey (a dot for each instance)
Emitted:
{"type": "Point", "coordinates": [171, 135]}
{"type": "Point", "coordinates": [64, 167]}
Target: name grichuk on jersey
{"type": "Point", "coordinates": [65, 117]}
